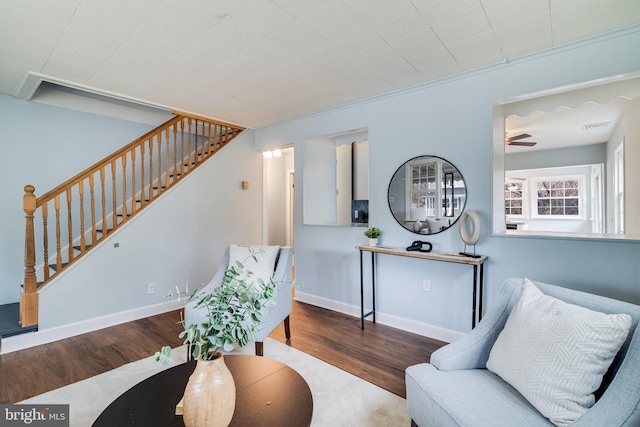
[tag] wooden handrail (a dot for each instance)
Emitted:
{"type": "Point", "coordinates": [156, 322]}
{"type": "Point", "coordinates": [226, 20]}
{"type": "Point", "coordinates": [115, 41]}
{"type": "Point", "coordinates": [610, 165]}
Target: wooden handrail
{"type": "Point", "coordinates": [126, 182]}
{"type": "Point", "coordinates": [107, 160]}
{"type": "Point", "coordinates": [207, 119]}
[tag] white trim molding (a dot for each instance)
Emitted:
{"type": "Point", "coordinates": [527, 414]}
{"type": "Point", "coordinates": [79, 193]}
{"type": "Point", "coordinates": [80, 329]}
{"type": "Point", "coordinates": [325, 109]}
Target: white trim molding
{"type": "Point", "coordinates": [27, 340]}
{"type": "Point", "coordinates": [409, 325]}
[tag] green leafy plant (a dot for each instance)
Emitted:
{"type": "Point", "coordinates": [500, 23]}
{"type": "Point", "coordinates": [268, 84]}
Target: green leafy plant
{"type": "Point", "coordinates": [372, 232]}
{"type": "Point", "coordinates": [233, 314]}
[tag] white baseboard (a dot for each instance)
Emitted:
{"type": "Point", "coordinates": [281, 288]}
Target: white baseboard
{"type": "Point", "coordinates": [409, 325]}
{"type": "Point", "coordinates": [32, 339]}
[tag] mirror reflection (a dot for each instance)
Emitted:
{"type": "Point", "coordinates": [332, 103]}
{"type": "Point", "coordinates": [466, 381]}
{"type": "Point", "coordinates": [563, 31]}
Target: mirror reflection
{"type": "Point", "coordinates": [427, 194]}
{"type": "Point", "coordinates": [567, 160]}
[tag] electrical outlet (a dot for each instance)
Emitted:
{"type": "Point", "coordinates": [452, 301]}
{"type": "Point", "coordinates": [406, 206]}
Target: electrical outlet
{"type": "Point", "coordinates": [151, 289]}
{"type": "Point", "coordinates": [426, 285]}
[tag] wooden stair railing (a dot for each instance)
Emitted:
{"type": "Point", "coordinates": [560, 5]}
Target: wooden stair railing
{"type": "Point", "coordinates": [84, 210]}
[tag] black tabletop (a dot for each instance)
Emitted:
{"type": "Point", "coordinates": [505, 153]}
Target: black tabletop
{"type": "Point", "coordinates": [268, 393]}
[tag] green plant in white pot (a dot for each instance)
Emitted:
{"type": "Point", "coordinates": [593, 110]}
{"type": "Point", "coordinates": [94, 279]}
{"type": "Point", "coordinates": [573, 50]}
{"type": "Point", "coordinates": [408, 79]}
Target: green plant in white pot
{"type": "Point", "coordinates": [373, 233]}
{"type": "Point", "coordinates": [233, 314]}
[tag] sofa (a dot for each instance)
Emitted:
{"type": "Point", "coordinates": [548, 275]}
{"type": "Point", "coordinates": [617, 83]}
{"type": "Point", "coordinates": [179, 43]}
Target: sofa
{"type": "Point", "coordinates": [457, 389]}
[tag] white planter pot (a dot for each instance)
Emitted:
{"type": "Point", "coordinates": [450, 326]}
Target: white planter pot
{"type": "Point", "coordinates": [373, 241]}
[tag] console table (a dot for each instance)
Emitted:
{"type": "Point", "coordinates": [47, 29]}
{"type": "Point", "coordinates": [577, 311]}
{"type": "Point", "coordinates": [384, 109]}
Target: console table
{"type": "Point", "coordinates": [478, 276]}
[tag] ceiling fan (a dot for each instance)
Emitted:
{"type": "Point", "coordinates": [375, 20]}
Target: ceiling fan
{"type": "Point", "coordinates": [515, 140]}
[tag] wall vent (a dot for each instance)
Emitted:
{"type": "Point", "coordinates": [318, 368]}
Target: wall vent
{"type": "Point", "coordinates": [592, 126]}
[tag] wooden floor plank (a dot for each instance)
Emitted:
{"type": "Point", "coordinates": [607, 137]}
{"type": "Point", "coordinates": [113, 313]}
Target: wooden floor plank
{"type": "Point", "coordinates": [379, 354]}
{"type": "Point", "coordinates": [5, 397]}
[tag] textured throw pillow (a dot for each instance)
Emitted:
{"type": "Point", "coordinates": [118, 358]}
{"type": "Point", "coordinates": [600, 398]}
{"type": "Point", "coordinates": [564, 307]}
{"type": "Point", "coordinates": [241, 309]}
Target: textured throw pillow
{"type": "Point", "coordinates": [555, 354]}
{"type": "Point", "coordinates": [259, 260]}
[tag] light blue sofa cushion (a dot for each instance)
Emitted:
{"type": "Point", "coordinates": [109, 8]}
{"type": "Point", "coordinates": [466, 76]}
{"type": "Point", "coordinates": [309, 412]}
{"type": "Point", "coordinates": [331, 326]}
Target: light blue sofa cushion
{"type": "Point", "coordinates": [475, 397]}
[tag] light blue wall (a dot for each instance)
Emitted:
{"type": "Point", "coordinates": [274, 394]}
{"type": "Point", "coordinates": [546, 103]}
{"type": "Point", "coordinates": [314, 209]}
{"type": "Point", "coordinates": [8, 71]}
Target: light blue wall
{"type": "Point", "coordinates": [452, 119]}
{"type": "Point", "coordinates": [178, 240]}
{"type": "Point", "coordinates": [44, 146]}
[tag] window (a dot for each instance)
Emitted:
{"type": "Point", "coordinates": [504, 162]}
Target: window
{"type": "Point", "coordinates": [514, 197]}
{"type": "Point", "coordinates": [545, 197]}
{"type": "Point", "coordinates": [422, 191]}
{"type": "Point", "coordinates": [558, 197]}
{"type": "Point", "coordinates": [618, 189]}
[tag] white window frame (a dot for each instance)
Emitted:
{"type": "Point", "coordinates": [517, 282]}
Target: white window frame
{"type": "Point", "coordinates": [533, 186]}
{"type": "Point", "coordinates": [431, 209]}
{"type": "Point", "coordinates": [618, 189]}
{"type": "Point", "coordinates": [525, 198]}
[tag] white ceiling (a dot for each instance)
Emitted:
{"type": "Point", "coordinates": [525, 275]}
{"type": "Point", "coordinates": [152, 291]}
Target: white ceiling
{"type": "Point", "coordinates": [258, 62]}
{"type": "Point", "coordinates": [590, 123]}
{"type": "Point", "coordinates": [574, 116]}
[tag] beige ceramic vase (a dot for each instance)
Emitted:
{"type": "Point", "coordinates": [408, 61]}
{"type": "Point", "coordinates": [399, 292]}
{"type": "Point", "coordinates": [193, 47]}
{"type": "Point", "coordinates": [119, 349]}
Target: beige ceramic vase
{"type": "Point", "coordinates": [210, 395]}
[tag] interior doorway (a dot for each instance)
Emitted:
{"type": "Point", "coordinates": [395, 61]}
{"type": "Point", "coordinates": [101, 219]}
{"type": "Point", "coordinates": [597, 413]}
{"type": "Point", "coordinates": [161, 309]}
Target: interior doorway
{"type": "Point", "coordinates": [291, 210]}
{"type": "Point", "coordinates": [279, 198]}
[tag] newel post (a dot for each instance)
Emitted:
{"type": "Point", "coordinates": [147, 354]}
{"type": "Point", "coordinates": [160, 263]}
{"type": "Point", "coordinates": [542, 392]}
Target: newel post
{"type": "Point", "coordinates": [29, 297]}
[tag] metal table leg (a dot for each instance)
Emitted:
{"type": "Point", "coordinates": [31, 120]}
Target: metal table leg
{"type": "Point", "coordinates": [364, 315]}
{"type": "Point", "coordinates": [373, 285]}
{"type": "Point", "coordinates": [475, 285]}
{"type": "Point", "coordinates": [361, 294]}
{"type": "Point", "coordinates": [481, 291]}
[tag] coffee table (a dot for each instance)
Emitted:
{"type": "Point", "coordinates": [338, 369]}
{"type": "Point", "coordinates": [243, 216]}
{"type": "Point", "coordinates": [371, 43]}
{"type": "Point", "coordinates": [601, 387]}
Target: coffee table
{"type": "Point", "coordinates": [268, 393]}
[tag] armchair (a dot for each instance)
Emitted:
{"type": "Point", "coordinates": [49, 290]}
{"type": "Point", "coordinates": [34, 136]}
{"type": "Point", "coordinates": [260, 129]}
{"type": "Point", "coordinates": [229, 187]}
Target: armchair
{"type": "Point", "coordinates": [273, 314]}
{"type": "Point", "coordinates": [456, 389]}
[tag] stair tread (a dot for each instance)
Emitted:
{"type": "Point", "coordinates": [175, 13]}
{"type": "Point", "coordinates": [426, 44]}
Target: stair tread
{"type": "Point", "coordinates": [54, 267]}
{"type": "Point", "coordinates": [10, 321]}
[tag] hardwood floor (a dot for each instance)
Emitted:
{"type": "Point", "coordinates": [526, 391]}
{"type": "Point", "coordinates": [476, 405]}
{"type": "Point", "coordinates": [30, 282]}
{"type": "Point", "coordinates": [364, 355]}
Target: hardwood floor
{"type": "Point", "coordinates": [379, 354]}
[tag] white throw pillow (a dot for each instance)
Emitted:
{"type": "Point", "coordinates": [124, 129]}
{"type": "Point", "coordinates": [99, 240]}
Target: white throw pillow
{"type": "Point", "coordinates": [555, 354]}
{"type": "Point", "coordinates": [435, 225]}
{"type": "Point", "coordinates": [259, 260]}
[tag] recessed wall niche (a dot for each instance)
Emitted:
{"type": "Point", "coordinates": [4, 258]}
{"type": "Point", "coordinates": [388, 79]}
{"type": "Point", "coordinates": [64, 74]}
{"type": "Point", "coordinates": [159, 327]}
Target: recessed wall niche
{"type": "Point", "coordinates": [335, 175]}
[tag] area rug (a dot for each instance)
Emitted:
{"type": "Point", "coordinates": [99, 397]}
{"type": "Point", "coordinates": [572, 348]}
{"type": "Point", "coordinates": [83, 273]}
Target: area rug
{"type": "Point", "coordinates": [339, 398]}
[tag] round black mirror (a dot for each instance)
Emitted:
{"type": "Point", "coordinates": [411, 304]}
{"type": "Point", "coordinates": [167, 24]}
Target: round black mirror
{"type": "Point", "coordinates": [427, 194]}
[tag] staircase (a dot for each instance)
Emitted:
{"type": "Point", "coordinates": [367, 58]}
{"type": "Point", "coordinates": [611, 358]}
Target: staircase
{"type": "Point", "coordinates": [64, 224]}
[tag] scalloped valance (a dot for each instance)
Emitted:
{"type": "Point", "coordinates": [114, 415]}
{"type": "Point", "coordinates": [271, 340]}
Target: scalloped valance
{"type": "Point", "coordinates": [600, 92]}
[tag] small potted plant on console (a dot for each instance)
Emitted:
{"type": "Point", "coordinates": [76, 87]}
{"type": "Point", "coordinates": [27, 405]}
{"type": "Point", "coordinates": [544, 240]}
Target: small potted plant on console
{"type": "Point", "coordinates": [373, 233]}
